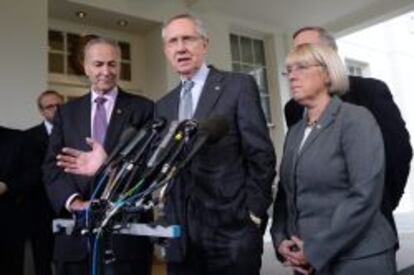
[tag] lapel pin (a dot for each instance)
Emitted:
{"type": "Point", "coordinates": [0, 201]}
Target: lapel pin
{"type": "Point", "coordinates": [318, 126]}
{"type": "Point", "coordinates": [217, 88]}
{"type": "Point", "coordinates": [118, 111]}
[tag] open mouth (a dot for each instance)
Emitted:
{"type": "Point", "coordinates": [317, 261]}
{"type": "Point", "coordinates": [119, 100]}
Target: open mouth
{"type": "Point", "coordinates": [183, 59]}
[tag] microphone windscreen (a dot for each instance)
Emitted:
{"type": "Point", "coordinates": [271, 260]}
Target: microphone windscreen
{"type": "Point", "coordinates": [214, 127]}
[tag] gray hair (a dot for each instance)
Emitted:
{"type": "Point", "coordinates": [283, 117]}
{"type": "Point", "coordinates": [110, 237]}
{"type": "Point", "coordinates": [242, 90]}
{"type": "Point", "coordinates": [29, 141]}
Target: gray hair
{"type": "Point", "coordinates": [201, 30]}
{"type": "Point", "coordinates": [101, 40]}
{"type": "Point", "coordinates": [325, 37]}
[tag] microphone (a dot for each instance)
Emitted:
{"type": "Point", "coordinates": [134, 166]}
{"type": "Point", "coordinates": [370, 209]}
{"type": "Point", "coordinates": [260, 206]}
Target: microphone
{"type": "Point", "coordinates": [156, 126]}
{"type": "Point", "coordinates": [210, 131]}
{"type": "Point", "coordinates": [125, 137]}
{"type": "Point", "coordinates": [140, 143]}
{"type": "Point", "coordinates": [163, 144]}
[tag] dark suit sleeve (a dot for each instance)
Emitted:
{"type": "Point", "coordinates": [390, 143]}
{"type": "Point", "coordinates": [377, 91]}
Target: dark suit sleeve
{"type": "Point", "coordinates": [59, 185]}
{"type": "Point", "coordinates": [258, 149]}
{"type": "Point", "coordinates": [11, 170]}
{"type": "Point", "coordinates": [293, 112]}
{"type": "Point", "coordinates": [398, 150]}
{"type": "Point", "coordinates": [278, 228]}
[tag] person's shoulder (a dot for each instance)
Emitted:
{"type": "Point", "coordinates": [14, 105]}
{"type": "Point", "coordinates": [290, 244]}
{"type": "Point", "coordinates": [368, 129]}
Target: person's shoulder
{"type": "Point", "coordinates": [35, 129]}
{"type": "Point", "coordinates": [353, 112]}
{"type": "Point", "coordinates": [229, 75]}
{"type": "Point", "coordinates": [134, 97]}
{"type": "Point", "coordinates": [367, 84]}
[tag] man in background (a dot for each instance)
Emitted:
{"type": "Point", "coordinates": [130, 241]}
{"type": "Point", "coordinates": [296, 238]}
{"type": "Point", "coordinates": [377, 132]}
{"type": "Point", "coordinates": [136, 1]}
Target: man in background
{"type": "Point", "coordinates": [377, 98]}
{"type": "Point", "coordinates": [38, 212]}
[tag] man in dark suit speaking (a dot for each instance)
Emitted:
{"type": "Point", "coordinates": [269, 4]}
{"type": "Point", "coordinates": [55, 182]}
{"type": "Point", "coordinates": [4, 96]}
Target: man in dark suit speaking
{"type": "Point", "coordinates": [376, 97]}
{"type": "Point", "coordinates": [222, 197]}
{"type": "Point", "coordinates": [103, 114]}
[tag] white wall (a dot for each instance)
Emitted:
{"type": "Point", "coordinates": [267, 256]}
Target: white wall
{"type": "Point", "coordinates": [388, 48]}
{"type": "Point", "coordinates": [23, 70]}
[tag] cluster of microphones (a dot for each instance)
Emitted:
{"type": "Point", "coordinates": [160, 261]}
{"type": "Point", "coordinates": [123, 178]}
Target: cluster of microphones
{"type": "Point", "coordinates": [144, 161]}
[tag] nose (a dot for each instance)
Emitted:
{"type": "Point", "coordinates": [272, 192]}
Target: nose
{"type": "Point", "coordinates": [106, 70]}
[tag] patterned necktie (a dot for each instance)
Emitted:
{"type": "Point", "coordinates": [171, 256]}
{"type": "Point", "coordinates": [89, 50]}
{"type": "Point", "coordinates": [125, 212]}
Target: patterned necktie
{"type": "Point", "coordinates": [100, 123]}
{"type": "Point", "coordinates": [186, 101]}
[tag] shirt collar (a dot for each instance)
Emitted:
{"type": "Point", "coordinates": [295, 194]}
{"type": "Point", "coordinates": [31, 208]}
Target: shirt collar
{"type": "Point", "coordinates": [200, 76]}
{"type": "Point", "coordinates": [111, 95]}
{"type": "Point", "coordinates": [48, 126]}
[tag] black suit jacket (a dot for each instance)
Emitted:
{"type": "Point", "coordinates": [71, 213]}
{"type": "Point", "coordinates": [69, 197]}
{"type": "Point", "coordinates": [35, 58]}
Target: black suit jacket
{"type": "Point", "coordinates": [72, 124]}
{"type": "Point", "coordinates": [376, 97]}
{"type": "Point", "coordinates": [37, 207]}
{"type": "Point", "coordinates": [11, 174]}
{"type": "Point", "coordinates": [227, 179]}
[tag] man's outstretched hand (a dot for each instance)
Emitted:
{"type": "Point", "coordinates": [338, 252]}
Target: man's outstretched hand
{"type": "Point", "coordinates": [82, 163]}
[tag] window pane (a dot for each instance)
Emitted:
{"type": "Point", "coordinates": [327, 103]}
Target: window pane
{"type": "Point", "coordinates": [247, 69]}
{"type": "Point", "coordinates": [55, 63]}
{"type": "Point", "coordinates": [55, 40]}
{"type": "Point", "coordinates": [236, 67]}
{"type": "Point", "coordinates": [73, 42]}
{"type": "Point", "coordinates": [259, 56]}
{"type": "Point", "coordinates": [75, 66]}
{"type": "Point", "coordinates": [125, 71]}
{"type": "Point", "coordinates": [235, 49]}
{"type": "Point", "coordinates": [125, 50]}
{"type": "Point", "coordinates": [247, 50]}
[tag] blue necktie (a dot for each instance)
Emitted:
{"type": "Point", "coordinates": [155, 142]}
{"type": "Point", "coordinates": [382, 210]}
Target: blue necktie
{"type": "Point", "coordinates": [186, 101]}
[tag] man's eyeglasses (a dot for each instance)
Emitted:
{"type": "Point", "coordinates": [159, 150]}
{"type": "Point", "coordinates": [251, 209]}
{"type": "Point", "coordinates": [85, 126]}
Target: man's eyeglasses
{"type": "Point", "coordinates": [186, 40]}
{"type": "Point", "coordinates": [299, 68]}
{"type": "Point", "coordinates": [50, 107]}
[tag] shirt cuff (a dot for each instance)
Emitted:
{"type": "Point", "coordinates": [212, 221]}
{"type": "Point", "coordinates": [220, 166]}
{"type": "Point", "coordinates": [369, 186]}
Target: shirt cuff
{"type": "Point", "coordinates": [255, 219]}
{"type": "Point", "coordinates": [70, 200]}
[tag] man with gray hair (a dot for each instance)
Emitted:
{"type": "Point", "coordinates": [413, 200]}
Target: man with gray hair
{"type": "Point", "coordinates": [103, 114]}
{"type": "Point", "coordinates": [376, 97]}
{"type": "Point", "coordinates": [221, 199]}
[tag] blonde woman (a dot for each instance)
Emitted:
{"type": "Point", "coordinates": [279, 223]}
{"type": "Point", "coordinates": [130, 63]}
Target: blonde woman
{"type": "Point", "coordinates": [327, 217]}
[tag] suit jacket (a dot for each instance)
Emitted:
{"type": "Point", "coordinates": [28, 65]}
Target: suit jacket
{"type": "Point", "coordinates": [37, 207]}
{"type": "Point", "coordinates": [330, 190]}
{"type": "Point", "coordinates": [377, 98]}
{"type": "Point", "coordinates": [227, 179]}
{"type": "Point", "coordinates": [11, 174]}
{"type": "Point", "coordinates": [72, 124]}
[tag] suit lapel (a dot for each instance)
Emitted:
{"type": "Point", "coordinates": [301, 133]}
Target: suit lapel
{"type": "Point", "coordinates": [175, 102]}
{"type": "Point", "coordinates": [117, 121]}
{"type": "Point", "coordinates": [327, 118]}
{"type": "Point", "coordinates": [83, 115]}
{"type": "Point", "coordinates": [213, 88]}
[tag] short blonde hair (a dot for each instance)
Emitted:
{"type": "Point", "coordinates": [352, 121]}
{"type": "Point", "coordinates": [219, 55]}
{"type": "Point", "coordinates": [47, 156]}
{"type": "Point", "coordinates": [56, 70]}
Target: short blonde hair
{"type": "Point", "coordinates": [328, 58]}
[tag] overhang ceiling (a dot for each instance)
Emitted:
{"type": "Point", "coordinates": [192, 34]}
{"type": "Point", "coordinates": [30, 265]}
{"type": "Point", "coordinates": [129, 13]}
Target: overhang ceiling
{"type": "Point", "coordinates": [286, 15]}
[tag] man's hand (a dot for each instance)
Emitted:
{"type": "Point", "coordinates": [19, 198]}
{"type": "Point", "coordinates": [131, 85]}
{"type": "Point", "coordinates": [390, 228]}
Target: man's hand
{"type": "Point", "coordinates": [80, 162]}
{"type": "Point", "coordinates": [78, 204]}
{"type": "Point", "coordinates": [3, 188]}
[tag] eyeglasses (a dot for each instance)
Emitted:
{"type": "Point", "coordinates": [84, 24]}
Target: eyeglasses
{"type": "Point", "coordinates": [50, 107]}
{"type": "Point", "coordinates": [299, 68]}
{"type": "Point", "coordinates": [187, 40]}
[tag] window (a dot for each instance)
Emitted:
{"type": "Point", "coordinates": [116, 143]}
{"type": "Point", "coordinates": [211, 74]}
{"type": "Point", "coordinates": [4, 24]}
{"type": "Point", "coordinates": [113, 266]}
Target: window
{"type": "Point", "coordinates": [248, 56]}
{"type": "Point", "coordinates": [356, 68]}
{"type": "Point", "coordinates": [66, 54]}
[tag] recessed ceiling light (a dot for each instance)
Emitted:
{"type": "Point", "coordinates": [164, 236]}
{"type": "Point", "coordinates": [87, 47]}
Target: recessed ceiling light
{"type": "Point", "coordinates": [122, 22]}
{"type": "Point", "coordinates": [80, 14]}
